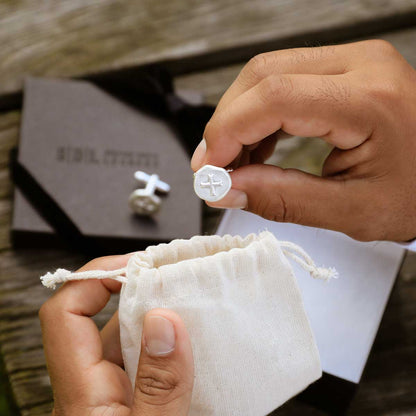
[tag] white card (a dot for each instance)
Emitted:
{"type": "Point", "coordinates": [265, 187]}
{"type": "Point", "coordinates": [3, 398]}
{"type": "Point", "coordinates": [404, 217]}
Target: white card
{"type": "Point", "coordinates": [344, 313]}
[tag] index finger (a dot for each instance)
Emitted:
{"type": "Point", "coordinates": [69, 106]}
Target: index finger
{"type": "Point", "coordinates": [71, 339]}
{"type": "Point", "coordinates": [322, 60]}
{"type": "Point", "coordinates": [301, 105]}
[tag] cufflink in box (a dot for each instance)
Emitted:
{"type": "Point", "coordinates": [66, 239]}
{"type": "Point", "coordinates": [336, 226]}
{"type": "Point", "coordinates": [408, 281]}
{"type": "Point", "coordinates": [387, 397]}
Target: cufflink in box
{"type": "Point", "coordinates": [83, 147]}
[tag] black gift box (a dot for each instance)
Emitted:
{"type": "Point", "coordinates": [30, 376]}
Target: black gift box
{"type": "Point", "coordinates": [81, 146]}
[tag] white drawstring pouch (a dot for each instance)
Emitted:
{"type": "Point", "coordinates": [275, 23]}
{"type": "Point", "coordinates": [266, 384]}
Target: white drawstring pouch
{"type": "Point", "coordinates": [238, 297]}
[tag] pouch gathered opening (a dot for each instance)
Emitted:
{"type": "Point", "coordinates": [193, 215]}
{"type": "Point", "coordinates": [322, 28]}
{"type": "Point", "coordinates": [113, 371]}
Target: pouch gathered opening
{"type": "Point", "coordinates": [178, 251]}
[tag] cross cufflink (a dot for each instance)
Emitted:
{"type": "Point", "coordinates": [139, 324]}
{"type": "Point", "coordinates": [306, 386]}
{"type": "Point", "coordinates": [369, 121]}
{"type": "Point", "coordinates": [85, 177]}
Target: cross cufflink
{"type": "Point", "coordinates": [144, 201]}
{"type": "Point", "coordinates": [212, 183]}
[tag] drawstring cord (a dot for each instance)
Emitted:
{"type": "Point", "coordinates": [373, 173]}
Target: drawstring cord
{"type": "Point", "coordinates": [290, 250]}
{"type": "Point", "coordinates": [50, 280]}
{"type": "Point", "coordinates": [301, 257]}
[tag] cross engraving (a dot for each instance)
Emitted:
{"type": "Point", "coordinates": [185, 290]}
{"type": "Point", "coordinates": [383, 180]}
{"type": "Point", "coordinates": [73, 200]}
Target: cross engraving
{"type": "Point", "coordinates": [212, 184]}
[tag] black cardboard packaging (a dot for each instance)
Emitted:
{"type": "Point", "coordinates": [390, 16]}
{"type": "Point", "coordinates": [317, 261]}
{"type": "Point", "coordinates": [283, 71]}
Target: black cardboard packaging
{"type": "Point", "coordinates": [83, 146]}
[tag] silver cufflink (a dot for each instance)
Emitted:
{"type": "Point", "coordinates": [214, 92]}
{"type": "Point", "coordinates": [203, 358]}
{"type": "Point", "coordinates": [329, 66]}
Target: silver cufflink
{"type": "Point", "coordinates": [144, 201]}
{"type": "Point", "coordinates": [212, 183]}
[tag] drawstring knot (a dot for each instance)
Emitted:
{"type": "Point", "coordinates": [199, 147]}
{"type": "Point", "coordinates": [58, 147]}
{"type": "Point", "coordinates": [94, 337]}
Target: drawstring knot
{"type": "Point", "coordinates": [324, 273]}
{"type": "Point", "coordinates": [50, 280]}
{"type": "Point", "coordinates": [301, 257]}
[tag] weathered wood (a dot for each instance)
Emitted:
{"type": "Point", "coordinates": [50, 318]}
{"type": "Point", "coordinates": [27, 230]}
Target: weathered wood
{"type": "Point", "coordinates": [9, 132]}
{"type": "Point", "coordinates": [41, 410]}
{"type": "Point", "coordinates": [214, 82]}
{"type": "Point", "coordinates": [388, 385]}
{"type": "Point", "coordinates": [77, 38]}
{"type": "Point", "coordinates": [21, 295]}
{"type": "Point", "coordinates": [5, 218]}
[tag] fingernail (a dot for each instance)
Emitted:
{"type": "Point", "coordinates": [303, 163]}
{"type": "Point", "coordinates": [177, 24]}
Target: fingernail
{"type": "Point", "coordinates": [235, 199]}
{"type": "Point", "coordinates": [199, 155]}
{"type": "Point", "coordinates": [159, 335]}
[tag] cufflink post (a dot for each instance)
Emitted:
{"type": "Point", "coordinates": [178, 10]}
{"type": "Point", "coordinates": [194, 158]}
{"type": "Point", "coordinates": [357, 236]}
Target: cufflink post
{"type": "Point", "coordinates": [145, 179]}
{"type": "Point", "coordinates": [145, 201]}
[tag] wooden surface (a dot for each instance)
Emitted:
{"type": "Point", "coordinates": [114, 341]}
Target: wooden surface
{"type": "Point", "coordinates": [389, 382]}
{"type": "Point", "coordinates": [78, 37]}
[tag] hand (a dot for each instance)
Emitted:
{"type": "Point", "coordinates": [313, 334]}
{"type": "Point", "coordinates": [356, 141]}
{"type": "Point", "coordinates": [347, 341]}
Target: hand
{"type": "Point", "coordinates": [85, 366]}
{"type": "Point", "coordinates": [360, 98]}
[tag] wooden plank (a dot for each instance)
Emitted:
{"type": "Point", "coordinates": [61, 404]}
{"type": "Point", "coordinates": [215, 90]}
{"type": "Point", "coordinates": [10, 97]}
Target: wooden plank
{"type": "Point", "coordinates": [390, 375]}
{"type": "Point", "coordinates": [41, 410]}
{"type": "Point", "coordinates": [388, 385]}
{"type": "Point", "coordinates": [213, 82]}
{"type": "Point", "coordinates": [9, 132]}
{"type": "Point", "coordinates": [30, 387]}
{"type": "Point", "coordinates": [76, 38]}
{"type": "Point", "coordinates": [21, 296]}
{"type": "Point", "coordinates": [5, 219]}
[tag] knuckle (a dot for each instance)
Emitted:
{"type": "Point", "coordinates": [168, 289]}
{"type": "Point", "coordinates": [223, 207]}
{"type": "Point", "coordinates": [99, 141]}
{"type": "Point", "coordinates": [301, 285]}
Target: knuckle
{"type": "Point", "coordinates": [363, 234]}
{"type": "Point", "coordinates": [96, 263]}
{"type": "Point", "coordinates": [209, 129]}
{"type": "Point", "coordinates": [277, 207]}
{"type": "Point", "coordinates": [272, 209]}
{"type": "Point", "coordinates": [287, 213]}
{"type": "Point", "coordinates": [323, 52]}
{"type": "Point", "coordinates": [303, 56]}
{"type": "Point", "coordinates": [300, 56]}
{"type": "Point", "coordinates": [274, 87]}
{"type": "Point", "coordinates": [215, 129]}
{"type": "Point", "coordinates": [45, 311]}
{"type": "Point", "coordinates": [158, 384]}
{"type": "Point", "coordinates": [51, 311]}
{"type": "Point", "coordinates": [359, 232]}
{"type": "Point", "coordinates": [381, 47]}
{"type": "Point", "coordinates": [387, 91]}
{"type": "Point", "coordinates": [279, 210]}
{"type": "Point", "coordinates": [336, 92]}
{"type": "Point", "coordinates": [258, 67]}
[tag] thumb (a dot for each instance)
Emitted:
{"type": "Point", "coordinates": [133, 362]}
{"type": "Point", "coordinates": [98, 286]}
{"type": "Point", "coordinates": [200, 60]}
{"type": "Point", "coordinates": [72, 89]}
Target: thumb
{"type": "Point", "coordinates": [289, 195]}
{"type": "Point", "coordinates": [165, 374]}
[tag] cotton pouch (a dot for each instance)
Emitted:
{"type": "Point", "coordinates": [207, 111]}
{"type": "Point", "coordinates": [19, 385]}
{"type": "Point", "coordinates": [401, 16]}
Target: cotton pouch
{"type": "Point", "coordinates": [238, 297]}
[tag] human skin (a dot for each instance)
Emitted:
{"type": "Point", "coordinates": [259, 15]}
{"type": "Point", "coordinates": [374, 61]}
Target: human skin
{"type": "Point", "coordinates": [358, 97]}
{"type": "Point", "coordinates": [86, 366]}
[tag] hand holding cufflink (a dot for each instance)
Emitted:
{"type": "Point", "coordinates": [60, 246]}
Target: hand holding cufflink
{"type": "Point", "coordinates": [144, 201]}
{"type": "Point", "coordinates": [214, 185]}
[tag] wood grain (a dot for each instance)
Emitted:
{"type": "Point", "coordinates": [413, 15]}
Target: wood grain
{"type": "Point", "coordinates": [390, 377]}
{"type": "Point", "coordinates": [214, 82]}
{"type": "Point", "coordinates": [78, 37]}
